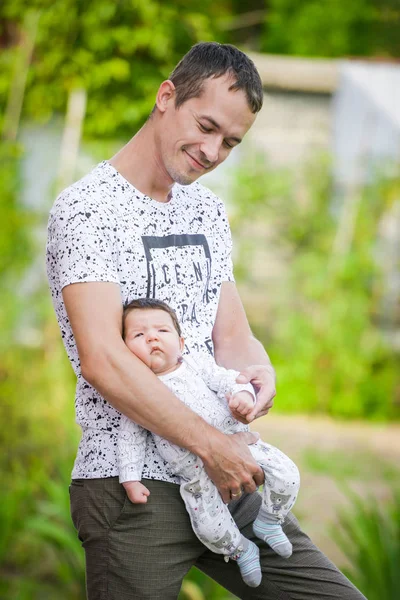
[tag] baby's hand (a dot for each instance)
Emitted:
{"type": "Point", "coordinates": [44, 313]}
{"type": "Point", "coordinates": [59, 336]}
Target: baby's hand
{"type": "Point", "coordinates": [136, 491]}
{"type": "Point", "coordinates": [242, 403]}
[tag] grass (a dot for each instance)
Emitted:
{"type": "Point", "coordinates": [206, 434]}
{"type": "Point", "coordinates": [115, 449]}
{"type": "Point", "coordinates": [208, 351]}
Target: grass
{"type": "Point", "coordinates": [340, 464]}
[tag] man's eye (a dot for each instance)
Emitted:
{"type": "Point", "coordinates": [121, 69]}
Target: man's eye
{"type": "Point", "coordinates": [227, 145]}
{"type": "Point", "coordinates": [205, 129]}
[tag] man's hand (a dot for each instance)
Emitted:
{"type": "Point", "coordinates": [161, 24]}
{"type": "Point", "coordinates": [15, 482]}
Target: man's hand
{"type": "Point", "coordinates": [231, 467]}
{"type": "Point", "coordinates": [262, 377]}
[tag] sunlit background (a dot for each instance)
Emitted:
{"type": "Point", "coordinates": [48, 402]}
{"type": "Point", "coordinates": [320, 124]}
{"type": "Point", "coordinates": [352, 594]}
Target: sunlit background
{"type": "Point", "coordinates": [313, 198]}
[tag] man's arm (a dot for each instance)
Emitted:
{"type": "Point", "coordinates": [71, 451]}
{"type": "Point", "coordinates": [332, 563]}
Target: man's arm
{"type": "Point", "coordinates": [95, 313]}
{"type": "Point", "coordinates": [235, 347]}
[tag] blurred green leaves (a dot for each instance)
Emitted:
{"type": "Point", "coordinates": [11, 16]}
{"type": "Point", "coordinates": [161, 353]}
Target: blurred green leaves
{"type": "Point", "coordinates": [333, 28]}
{"type": "Point", "coordinates": [316, 306]}
{"type": "Point", "coordinates": [369, 535]}
{"type": "Point", "coordinates": [119, 52]}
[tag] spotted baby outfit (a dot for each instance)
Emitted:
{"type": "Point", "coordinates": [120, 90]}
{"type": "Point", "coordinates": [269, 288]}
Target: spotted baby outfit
{"type": "Point", "coordinates": [203, 388]}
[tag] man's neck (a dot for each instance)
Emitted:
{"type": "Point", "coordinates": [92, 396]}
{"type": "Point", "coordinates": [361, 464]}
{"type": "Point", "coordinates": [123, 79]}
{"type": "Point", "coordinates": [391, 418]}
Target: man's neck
{"type": "Point", "coordinates": [139, 163]}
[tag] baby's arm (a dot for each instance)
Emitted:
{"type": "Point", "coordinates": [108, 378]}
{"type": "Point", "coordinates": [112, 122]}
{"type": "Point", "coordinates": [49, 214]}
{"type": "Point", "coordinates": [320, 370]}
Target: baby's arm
{"type": "Point", "coordinates": [131, 449]}
{"type": "Point", "coordinates": [241, 397]}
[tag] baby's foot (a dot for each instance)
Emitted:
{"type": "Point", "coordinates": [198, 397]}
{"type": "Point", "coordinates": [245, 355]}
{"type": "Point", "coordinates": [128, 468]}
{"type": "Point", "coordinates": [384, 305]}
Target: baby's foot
{"type": "Point", "coordinates": [272, 534]}
{"type": "Point", "coordinates": [248, 561]}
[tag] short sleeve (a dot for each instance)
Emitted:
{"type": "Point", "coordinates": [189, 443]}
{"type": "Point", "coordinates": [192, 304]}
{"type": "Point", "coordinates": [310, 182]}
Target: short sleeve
{"type": "Point", "coordinates": [224, 241]}
{"type": "Point", "coordinates": [80, 246]}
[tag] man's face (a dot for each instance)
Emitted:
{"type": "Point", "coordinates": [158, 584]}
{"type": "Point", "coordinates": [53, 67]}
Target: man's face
{"type": "Point", "coordinates": [198, 136]}
{"type": "Point", "coordinates": [151, 335]}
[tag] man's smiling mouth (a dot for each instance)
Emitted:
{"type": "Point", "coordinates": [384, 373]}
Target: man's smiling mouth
{"type": "Point", "coordinates": [198, 164]}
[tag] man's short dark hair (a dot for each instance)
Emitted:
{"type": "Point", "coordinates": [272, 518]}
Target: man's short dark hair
{"type": "Point", "coordinates": [149, 304]}
{"type": "Point", "coordinates": [210, 59]}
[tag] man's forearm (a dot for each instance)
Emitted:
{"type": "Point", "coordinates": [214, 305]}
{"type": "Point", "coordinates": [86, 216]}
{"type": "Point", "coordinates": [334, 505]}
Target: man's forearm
{"type": "Point", "coordinates": [129, 385]}
{"type": "Point", "coordinates": [241, 352]}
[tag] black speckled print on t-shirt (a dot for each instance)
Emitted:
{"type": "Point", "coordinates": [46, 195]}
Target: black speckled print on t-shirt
{"type": "Point", "coordinates": [103, 229]}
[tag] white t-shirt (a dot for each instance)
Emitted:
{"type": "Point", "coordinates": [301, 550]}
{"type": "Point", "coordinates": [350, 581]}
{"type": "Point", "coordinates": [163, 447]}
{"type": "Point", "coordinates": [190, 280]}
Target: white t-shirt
{"type": "Point", "coordinates": [103, 229]}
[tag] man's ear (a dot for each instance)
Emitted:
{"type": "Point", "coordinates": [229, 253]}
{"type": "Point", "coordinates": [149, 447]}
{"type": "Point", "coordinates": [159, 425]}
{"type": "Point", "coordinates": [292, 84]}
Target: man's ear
{"type": "Point", "coordinates": [166, 93]}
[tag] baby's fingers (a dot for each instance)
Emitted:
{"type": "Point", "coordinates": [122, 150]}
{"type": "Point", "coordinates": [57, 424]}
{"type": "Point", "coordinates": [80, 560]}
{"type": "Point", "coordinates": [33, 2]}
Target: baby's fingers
{"type": "Point", "coordinates": [245, 408]}
{"type": "Point", "coordinates": [233, 403]}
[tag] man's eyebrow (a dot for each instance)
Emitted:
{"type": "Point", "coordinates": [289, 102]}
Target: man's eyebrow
{"type": "Point", "coordinates": [218, 127]}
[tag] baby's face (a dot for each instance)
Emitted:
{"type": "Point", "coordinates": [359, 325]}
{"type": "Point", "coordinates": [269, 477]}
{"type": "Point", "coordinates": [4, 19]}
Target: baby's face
{"type": "Point", "coordinates": [150, 334]}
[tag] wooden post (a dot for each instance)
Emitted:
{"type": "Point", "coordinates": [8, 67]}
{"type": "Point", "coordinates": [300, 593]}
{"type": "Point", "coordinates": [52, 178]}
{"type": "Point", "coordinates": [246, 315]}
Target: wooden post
{"type": "Point", "coordinates": [18, 83]}
{"type": "Point", "coordinates": [71, 138]}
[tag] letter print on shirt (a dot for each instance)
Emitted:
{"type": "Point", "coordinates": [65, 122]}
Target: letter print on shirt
{"type": "Point", "coordinates": [183, 263]}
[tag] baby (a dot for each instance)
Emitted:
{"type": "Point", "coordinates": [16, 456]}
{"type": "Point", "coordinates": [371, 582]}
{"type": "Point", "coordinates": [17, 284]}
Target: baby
{"type": "Point", "coordinates": [152, 332]}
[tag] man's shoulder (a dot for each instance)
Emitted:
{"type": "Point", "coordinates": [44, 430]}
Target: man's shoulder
{"type": "Point", "coordinates": [91, 192]}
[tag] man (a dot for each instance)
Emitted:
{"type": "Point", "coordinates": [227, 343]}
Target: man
{"type": "Point", "coordinates": [137, 226]}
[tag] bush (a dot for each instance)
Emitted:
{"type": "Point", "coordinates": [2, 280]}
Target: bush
{"type": "Point", "coordinates": [314, 287]}
{"type": "Point", "coordinates": [369, 535]}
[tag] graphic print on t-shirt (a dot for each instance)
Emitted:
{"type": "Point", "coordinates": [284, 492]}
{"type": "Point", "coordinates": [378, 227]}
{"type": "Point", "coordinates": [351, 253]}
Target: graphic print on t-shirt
{"type": "Point", "coordinates": [179, 264]}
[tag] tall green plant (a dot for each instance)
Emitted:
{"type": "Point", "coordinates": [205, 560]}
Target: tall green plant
{"type": "Point", "coordinates": [369, 535]}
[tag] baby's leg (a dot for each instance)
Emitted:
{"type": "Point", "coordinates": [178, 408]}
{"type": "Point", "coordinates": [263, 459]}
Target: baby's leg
{"type": "Point", "coordinates": [281, 486]}
{"type": "Point", "coordinates": [210, 517]}
{"type": "Point", "coordinates": [215, 528]}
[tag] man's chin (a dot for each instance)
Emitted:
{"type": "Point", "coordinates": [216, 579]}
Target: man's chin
{"type": "Point", "coordinates": [183, 178]}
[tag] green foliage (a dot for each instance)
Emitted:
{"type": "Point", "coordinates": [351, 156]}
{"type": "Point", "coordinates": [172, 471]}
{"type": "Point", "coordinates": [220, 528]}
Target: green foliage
{"type": "Point", "coordinates": [316, 306]}
{"type": "Point", "coordinates": [197, 586]}
{"type": "Point", "coordinates": [369, 535]}
{"type": "Point", "coordinates": [15, 240]}
{"type": "Point", "coordinates": [37, 439]}
{"type": "Point", "coordinates": [332, 28]}
{"type": "Point", "coordinates": [118, 51]}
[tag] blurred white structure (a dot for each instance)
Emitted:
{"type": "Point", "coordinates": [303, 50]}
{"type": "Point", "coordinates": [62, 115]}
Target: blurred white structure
{"type": "Point", "coordinates": [366, 120]}
{"type": "Point", "coordinates": [350, 109]}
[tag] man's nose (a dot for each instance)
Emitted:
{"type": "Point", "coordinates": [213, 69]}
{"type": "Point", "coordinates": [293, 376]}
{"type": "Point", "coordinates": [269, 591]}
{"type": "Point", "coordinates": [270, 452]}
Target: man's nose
{"type": "Point", "coordinates": [210, 148]}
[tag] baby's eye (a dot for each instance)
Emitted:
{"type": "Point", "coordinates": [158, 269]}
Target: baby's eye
{"type": "Point", "coordinates": [138, 335]}
{"type": "Point", "coordinates": [163, 330]}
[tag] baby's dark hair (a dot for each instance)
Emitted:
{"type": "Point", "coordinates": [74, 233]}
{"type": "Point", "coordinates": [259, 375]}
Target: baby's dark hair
{"type": "Point", "coordinates": [149, 304]}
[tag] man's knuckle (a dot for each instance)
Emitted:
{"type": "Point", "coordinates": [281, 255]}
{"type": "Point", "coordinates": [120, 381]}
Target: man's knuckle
{"type": "Point", "coordinates": [248, 480]}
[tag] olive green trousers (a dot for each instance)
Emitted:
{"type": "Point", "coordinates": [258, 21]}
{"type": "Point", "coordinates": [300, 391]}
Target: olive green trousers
{"type": "Point", "coordinates": [143, 551]}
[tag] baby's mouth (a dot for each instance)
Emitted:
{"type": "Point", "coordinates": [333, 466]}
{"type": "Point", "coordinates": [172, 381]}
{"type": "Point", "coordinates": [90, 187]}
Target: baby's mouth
{"type": "Point", "coordinates": [155, 349]}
